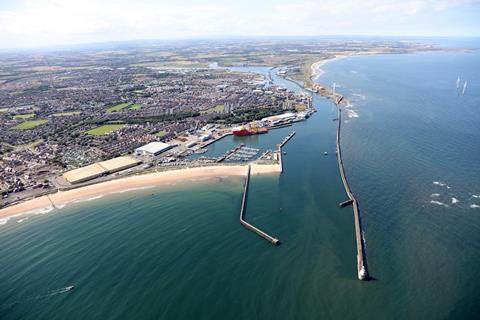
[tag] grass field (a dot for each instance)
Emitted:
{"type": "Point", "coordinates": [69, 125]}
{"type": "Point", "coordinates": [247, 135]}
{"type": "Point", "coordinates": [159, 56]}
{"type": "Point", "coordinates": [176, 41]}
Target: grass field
{"type": "Point", "coordinates": [216, 109]}
{"type": "Point", "coordinates": [118, 107]}
{"type": "Point", "coordinates": [28, 124]}
{"type": "Point", "coordinates": [24, 116]}
{"type": "Point", "coordinates": [105, 129]}
{"type": "Point", "coordinates": [161, 133]}
{"type": "Point", "coordinates": [122, 106]}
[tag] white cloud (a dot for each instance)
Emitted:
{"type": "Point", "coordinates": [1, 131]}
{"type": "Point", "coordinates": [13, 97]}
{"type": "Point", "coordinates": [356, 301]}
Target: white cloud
{"type": "Point", "coordinates": [70, 21]}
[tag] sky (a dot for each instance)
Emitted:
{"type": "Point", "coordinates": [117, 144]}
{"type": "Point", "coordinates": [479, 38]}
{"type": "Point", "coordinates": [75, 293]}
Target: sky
{"type": "Point", "coordinates": [43, 23]}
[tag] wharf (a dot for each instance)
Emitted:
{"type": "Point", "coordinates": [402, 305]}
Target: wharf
{"type": "Point", "coordinates": [362, 268]}
{"type": "Point", "coordinates": [247, 225]}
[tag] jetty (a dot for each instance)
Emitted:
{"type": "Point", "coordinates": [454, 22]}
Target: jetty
{"type": "Point", "coordinates": [280, 146]}
{"type": "Point", "coordinates": [247, 225]}
{"type": "Point", "coordinates": [287, 138]}
{"type": "Point", "coordinates": [362, 268]}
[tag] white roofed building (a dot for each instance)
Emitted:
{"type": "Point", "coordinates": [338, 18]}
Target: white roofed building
{"type": "Point", "coordinates": [152, 149]}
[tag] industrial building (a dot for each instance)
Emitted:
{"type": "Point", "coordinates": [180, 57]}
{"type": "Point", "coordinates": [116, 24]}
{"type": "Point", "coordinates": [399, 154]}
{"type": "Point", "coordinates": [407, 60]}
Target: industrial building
{"type": "Point", "coordinates": [152, 149]}
{"type": "Point", "coordinates": [100, 168]}
{"type": "Point", "coordinates": [84, 173]}
{"type": "Point", "coordinates": [119, 164]}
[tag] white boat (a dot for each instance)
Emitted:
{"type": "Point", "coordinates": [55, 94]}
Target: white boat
{"type": "Point", "coordinates": [458, 82]}
{"type": "Point", "coordinates": [69, 288]}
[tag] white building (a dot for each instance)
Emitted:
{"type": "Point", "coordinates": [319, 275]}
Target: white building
{"type": "Point", "coordinates": [206, 137]}
{"type": "Point", "coordinates": [152, 149]}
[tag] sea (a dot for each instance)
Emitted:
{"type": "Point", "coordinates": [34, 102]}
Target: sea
{"type": "Point", "coordinates": [411, 147]}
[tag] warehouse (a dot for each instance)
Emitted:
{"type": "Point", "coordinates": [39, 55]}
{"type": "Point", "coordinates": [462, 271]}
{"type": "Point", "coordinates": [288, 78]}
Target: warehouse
{"type": "Point", "coordinates": [118, 164]}
{"type": "Point", "coordinates": [84, 173]}
{"type": "Point", "coordinates": [152, 149]}
{"type": "Point", "coordinates": [100, 168]}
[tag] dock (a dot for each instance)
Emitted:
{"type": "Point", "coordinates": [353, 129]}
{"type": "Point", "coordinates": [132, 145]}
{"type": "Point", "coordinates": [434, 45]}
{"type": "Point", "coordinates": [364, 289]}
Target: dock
{"type": "Point", "coordinates": [247, 225]}
{"type": "Point", "coordinates": [362, 268]}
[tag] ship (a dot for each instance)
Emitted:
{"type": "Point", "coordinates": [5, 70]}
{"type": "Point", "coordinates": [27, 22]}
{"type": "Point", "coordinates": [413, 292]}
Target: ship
{"type": "Point", "coordinates": [248, 130]}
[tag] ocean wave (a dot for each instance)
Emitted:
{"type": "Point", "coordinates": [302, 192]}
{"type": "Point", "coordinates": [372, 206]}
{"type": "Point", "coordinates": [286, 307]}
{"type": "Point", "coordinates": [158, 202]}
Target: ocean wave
{"type": "Point", "coordinates": [438, 203]}
{"type": "Point", "coordinates": [474, 206]}
{"type": "Point", "coordinates": [476, 196]}
{"type": "Point", "coordinates": [88, 199]}
{"type": "Point", "coordinates": [133, 189]}
{"type": "Point", "coordinates": [441, 184]}
{"type": "Point", "coordinates": [434, 195]}
{"type": "Point", "coordinates": [26, 213]}
{"type": "Point", "coordinates": [351, 113]}
{"type": "Point", "coordinates": [359, 96]}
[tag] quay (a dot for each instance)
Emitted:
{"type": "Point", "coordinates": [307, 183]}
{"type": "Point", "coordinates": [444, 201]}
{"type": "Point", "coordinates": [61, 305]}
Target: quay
{"type": "Point", "coordinates": [247, 225]}
{"type": "Point", "coordinates": [362, 268]}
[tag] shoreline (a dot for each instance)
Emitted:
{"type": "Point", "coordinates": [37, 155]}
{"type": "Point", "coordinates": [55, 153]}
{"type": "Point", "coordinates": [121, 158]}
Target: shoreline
{"type": "Point", "coordinates": [60, 199]}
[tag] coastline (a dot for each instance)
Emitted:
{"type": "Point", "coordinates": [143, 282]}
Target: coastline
{"type": "Point", "coordinates": [59, 199]}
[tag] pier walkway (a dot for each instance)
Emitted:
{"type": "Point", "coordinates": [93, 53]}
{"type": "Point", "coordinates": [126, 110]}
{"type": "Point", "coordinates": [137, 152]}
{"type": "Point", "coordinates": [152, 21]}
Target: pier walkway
{"type": "Point", "coordinates": [247, 225]}
{"type": "Point", "coordinates": [362, 267]}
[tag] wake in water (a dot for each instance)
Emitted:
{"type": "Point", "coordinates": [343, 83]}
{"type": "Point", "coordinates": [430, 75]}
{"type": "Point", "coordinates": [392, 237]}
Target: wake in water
{"type": "Point", "coordinates": [39, 297]}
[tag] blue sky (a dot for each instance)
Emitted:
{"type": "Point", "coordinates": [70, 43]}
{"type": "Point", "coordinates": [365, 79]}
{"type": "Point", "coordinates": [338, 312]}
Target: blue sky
{"type": "Point", "coordinates": [33, 23]}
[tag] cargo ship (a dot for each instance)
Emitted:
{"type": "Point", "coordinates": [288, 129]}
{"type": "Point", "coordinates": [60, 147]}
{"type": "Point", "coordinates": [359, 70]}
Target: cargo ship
{"type": "Point", "coordinates": [248, 131]}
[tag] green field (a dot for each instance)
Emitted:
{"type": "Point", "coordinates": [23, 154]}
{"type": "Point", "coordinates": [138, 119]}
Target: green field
{"type": "Point", "coordinates": [24, 116]}
{"type": "Point", "coordinates": [161, 133]}
{"type": "Point", "coordinates": [118, 107]}
{"type": "Point", "coordinates": [122, 106]}
{"type": "Point", "coordinates": [105, 129]}
{"type": "Point", "coordinates": [216, 109]}
{"type": "Point", "coordinates": [3, 110]}
{"type": "Point", "coordinates": [28, 124]}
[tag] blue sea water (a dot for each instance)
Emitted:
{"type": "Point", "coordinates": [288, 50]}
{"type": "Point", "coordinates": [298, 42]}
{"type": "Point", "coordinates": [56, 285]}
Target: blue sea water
{"type": "Point", "coordinates": [178, 251]}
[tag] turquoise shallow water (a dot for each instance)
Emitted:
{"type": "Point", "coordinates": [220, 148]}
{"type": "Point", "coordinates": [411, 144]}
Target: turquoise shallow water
{"type": "Point", "coordinates": [178, 251]}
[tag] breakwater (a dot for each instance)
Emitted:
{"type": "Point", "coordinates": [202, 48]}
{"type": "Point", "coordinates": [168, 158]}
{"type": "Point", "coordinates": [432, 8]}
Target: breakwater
{"type": "Point", "coordinates": [362, 268]}
{"type": "Point", "coordinates": [280, 146]}
{"type": "Point", "coordinates": [247, 225]}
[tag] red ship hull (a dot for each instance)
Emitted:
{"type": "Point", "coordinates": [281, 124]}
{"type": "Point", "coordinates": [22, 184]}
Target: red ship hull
{"type": "Point", "coordinates": [242, 133]}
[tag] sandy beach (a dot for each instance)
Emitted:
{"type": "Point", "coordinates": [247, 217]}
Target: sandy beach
{"type": "Point", "coordinates": [315, 67]}
{"type": "Point", "coordinates": [61, 198]}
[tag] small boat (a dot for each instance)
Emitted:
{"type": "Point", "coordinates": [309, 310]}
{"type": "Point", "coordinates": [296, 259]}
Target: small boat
{"type": "Point", "coordinates": [284, 153]}
{"type": "Point", "coordinates": [325, 153]}
{"type": "Point", "coordinates": [69, 288]}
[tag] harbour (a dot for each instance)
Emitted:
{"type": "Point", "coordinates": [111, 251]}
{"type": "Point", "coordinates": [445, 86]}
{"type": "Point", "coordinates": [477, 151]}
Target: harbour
{"type": "Point", "coordinates": [184, 239]}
